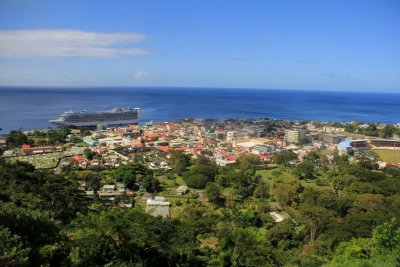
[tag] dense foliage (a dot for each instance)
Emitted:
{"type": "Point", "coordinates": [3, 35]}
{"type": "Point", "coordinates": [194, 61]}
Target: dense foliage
{"type": "Point", "coordinates": [339, 212]}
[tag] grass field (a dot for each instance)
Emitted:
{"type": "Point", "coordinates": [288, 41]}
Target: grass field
{"type": "Point", "coordinates": [388, 155]}
{"type": "Point", "coordinates": [280, 172]}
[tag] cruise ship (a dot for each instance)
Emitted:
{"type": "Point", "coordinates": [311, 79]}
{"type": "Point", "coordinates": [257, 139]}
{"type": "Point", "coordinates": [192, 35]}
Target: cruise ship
{"type": "Point", "coordinates": [116, 116]}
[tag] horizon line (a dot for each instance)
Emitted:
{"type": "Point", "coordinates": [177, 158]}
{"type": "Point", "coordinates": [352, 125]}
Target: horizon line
{"type": "Point", "coordinates": [192, 87]}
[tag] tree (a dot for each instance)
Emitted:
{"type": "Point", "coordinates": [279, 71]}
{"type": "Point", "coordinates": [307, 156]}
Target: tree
{"type": "Point", "coordinates": [261, 191]}
{"type": "Point", "coordinates": [179, 161]}
{"type": "Point", "coordinates": [37, 228]}
{"type": "Point", "coordinates": [151, 184]}
{"type": "Point", "coordinates": [338, 184]}
{"type": "Point", "coordinates": [209, 170]}
{"type": "Point", "coordinates": [88, 154]}
{"type": "Point", "coordinates": [213, 193]}
{"type": "Point", "coordinates": [305, 170]}
{"type": "Point", "coordinates": [369, 201]}
{"type": "Point", "coordinates": [287, 192]}
{"type": "Point", "coordinates": [368, 160]}
{"type": "Point", "coordinates": [122, 238]}
{"type": "Point", "coordinates": [130, 182]}
{"type": "Point", "coordinates": [13, 252]}
{"type": "Point", "coordinates": [286, 158]}
{"type": "Point", "coordinates": [248, 162]}
{"type": "Point", "coordinates": [387, 131]}
{"type": "Point", "coordinates": [94, 184]}
{"type": "Point", "coordinates": [244, 183]}
{"type": "Point", "coordinates": [315, 218]}
{"type": "Point", "coordinates": [386, 238]}
{"type": "Point", "coordinates": [17, 139]}
{"type": "Point", "coordinates": [392, 170]}
{"type": "Point", "coordinates": [195, 180]}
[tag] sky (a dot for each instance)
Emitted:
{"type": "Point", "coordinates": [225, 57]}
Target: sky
{"type": "Point", "coordinates": [277, 44]}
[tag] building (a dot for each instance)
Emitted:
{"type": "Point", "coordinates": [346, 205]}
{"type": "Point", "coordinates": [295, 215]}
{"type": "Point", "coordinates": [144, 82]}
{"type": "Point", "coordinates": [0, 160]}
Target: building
{"type": "Point", "coordinates": [276, 216]}
{"type": "Point", "coordinates": [231, 135]}
{"type": "Point", "coordinates": [329, 138]}
{"type": "Point", "coordinates": [263, 149]}
{"type": "Point", "coordinates": [158, 207]}
{"type": "Point", "coordinates": [294, 136]}
{"type": "Point", "coordinates": [2, 143]}
{"type": "Point", "coordinates": [90, 141]}
{"type": "Point", "coordinates": [331, 129]}
{"type": "Point", "coordinates": [182, 190]}
{"type": "Point", "coordinates": [28, 150]}
{"type": "Point", "coordinates": [349, 146]}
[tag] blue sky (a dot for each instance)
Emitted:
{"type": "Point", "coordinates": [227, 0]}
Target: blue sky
{"type": "Point", "coordinates": [317, 45]}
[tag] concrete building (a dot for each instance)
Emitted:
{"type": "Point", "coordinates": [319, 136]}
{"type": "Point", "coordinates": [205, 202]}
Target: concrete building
{"type": "Point", "coordinates": [294, 136]}
{"type": "Point", "coordinates": [329, 138]}
{"type": "Point", "coordinates": [231, 135]}
{"type": "Point", "coordinates": [263, 149]}
{"type": "Point", "coordinates": [331, 129]}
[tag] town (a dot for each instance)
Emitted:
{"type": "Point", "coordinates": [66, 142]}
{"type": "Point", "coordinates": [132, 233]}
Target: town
{"type": "Point", "coordinates": [89, 152]}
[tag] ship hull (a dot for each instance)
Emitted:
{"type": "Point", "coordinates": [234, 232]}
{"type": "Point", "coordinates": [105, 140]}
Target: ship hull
{"type": "Point", "coordinates": [93, 123]}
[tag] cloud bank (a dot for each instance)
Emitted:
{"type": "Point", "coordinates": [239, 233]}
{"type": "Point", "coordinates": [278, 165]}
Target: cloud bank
{"type": "Point", "coordinates": [68, 43]}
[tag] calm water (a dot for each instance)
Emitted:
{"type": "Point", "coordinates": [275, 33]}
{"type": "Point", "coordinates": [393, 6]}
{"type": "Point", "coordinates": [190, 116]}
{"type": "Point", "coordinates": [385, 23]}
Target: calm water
{"type": "Point", "coordinates": [32, 108]}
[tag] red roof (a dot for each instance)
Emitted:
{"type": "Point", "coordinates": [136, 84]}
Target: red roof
{"type": "Point", "coordinates": [182, 148]}
{"type": "Point", "coordinates": [231, 158]}
{"type": "Point", "coordinates": [78, 158]}
{"type": "Point", "coordinates": [163, 148]}
{"type": "Point", "coordinates": [28, 147]}
{"type": "Point", "coordinates": [150, 134]}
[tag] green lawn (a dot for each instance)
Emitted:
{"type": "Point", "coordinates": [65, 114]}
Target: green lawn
{"type": "Point", "coordinates": [388, 155]}
{"type": "Point", "coordinates": [279, 172]}
{"type": "Point", "coordinates": [177, 181]}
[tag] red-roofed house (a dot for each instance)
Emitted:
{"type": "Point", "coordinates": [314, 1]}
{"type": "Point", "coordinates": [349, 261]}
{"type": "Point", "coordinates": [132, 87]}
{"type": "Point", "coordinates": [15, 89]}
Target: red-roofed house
{"type": "Point", "coordinates": [25, 146]}
{"type": "Point", "coordinates": [136, 144]}
{"type": "Point", "coordinates": [164, 148]}
{"type": "Point", "coordinates": [78, 159]}
{"type": "Point", "coordinates": [263, 157]}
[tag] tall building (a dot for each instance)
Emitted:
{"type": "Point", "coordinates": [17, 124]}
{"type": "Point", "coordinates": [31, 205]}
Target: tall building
{"type": "Point", "coordinates": [294, 136]}
{"type": "Point", "coordinates": [231, 135]}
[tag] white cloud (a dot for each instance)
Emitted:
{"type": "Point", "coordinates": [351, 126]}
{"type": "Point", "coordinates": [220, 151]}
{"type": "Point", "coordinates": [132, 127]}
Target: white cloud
{"type": "Point", "coordinates": [68, 43]}
{"type": "Point", "coordinates": [141, 75]}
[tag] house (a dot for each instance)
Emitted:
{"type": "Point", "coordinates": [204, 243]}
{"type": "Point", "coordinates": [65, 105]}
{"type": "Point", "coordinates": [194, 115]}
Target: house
{"type": "Point", "coordinates": [108, 188]}
{"type": "Point", "coordinates": [276, 216]}
{"type": "Point", "coordinates": [78, 159]}
{"type": "Point", "coordinates": [182, 190]}
{"type": "Point", "coordinates": [2, 143]}
{"type": "Point", "coordinates": [158, 207]}
{"type": "Point", "coordinates": [10, 153]}
{"type": "Point", "coordinates": [226, 160]}
{"type": "Point", "coordinates": [155, 165]}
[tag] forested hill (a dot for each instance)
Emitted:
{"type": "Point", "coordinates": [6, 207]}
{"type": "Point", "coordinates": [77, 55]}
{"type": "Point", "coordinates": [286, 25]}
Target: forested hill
{"type": "Point", "coordinates": [339, 213]}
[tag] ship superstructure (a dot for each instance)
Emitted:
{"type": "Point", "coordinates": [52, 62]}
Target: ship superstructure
{"type": "Point", "coordinates": [116, 116]}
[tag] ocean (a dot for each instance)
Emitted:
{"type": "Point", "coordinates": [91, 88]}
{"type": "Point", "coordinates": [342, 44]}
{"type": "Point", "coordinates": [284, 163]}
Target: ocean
{"type": "Point", "coordinates": [31, 108]}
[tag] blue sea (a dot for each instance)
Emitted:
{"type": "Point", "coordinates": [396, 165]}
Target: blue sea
{"type": "Point", "coordinates": [31, 108]}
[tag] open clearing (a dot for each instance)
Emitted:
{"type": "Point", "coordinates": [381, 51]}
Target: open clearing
{"type": "Point", "coordinates": [388, 155]}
